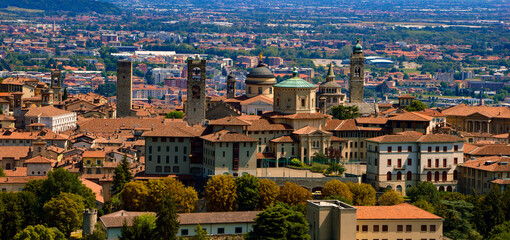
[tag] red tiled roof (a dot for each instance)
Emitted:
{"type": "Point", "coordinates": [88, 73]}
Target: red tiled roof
{"type": "Point", "coordinates": [491, 164]}
{"type": "Point", "coordinates": [403, 211]}
{"type": "Point", "coordinates": [227, 136]}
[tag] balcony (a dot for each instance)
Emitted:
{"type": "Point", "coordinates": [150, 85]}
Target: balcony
{"type": "Point", "coordinates": [438, 167]}
{"type": "Point", "coordinates": [396, 167]}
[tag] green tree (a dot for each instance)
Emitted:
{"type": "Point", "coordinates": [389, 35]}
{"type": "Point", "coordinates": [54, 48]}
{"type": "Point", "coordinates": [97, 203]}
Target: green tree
{"type": "Point", "coordinates": [167, 224]}
{"type": "Point", "coordinates": [63, 213]}
{"type": "Point", "coordinates": [279, 221]}
{"type": "Point", "coordinates": [134, 196]}
{"type": "Point", "coordinates": [363, 194]}
{"type": "Point", "coordinates": [457, 217]}
{"type": "Point", "coordinates": [2, 174]}
{"type": "Point", "coordinates": [200, 233]}
{"type": "Point", "coordinates": [175, 114]}
{"type": "Point", "coordinates": [142, 228]}
{"type": "Point", "coordinates": [489, 211]}
{"type": "Point", "coordinates": [425, 205]}
{"type": "Point", "coordinates": [185, 197]}
{"type": "Point", "coordinates": [416, 106]}
{"type": "Point", "coordinates": [426, 191]}
{"type": "Point", "coordinates": [221, 193]}
{"type": "Point", "coordinates": [337, 188]}
{"type": "Point", "coordinates": [390, 197]}
{"type": "Point", "coordinates": [345, 112]}
{"type": "Point", "coordinates": [500, 232]}
{"type": "Point", "coordinates": [336, 169]}
{"type": "Point", "coordinates": [293, 194]}
{"type": "Point", "coordinates": [247, 192]}
{"type": "Point", "coordinates": [61, 180]}
{"type": "Point", "coordinates": [39, 232]}
{"type": "Point", "coordinates": [121, 176]}
{"type": "Point", "coordinates": [268, 193]}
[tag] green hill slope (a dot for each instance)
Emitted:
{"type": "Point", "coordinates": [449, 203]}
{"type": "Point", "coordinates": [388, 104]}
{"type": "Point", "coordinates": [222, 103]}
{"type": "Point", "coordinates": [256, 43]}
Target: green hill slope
{"type": "Point", "coordinates": [78, 6]}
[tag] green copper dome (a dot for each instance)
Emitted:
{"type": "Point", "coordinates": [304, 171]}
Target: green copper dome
{"type": "Point", "coordinates": [357, 48]}
{"type": "Point", "coordinates": [294, 82]}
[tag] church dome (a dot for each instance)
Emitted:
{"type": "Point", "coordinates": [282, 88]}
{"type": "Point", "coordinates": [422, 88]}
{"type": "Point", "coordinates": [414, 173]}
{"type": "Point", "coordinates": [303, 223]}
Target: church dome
{"type": "Point", "coordinates": [261, 75]}
{"type": "Point", "coordinates": [294, 82]}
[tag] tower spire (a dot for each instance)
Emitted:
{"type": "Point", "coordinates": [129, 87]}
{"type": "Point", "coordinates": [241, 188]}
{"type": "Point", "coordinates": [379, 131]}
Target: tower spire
{"type": "Point", "coordinates": [331, 74]}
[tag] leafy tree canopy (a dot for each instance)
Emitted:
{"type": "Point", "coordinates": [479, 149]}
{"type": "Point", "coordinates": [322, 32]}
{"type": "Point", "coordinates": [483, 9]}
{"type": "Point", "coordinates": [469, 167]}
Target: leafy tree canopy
{"type": "Point", "coordinates": [39, 232]}
{"type": "Point", "coordinates": [416, 106]}
{"type": "Point", "coordinates": [221, 193]}
{"type": "Point", "coordinates": [175, 114]}
{"type": "Point", "coordinates": [280, 221]}
{"type": "Point", "coordinates": [345, 112]}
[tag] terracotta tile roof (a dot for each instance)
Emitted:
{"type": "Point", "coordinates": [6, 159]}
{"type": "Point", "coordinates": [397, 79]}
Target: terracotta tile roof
{"type": "Point", "coordinates": [265, 156]}
{"type": "Point", "coordinates": [411, 116]}
{"type": "Point", "coordinates": [466, 110]}
{"type": "Point", "coordinates": [48, 111]}
{"type": "Point", "coordinates": [45, 134]}
{"type": "Point", "coordinates": [469, 147]}
{"type": "Point", "coordinates": [227, 136]}
{"type": "Point", "coordinates": [229, 121]}
{"type": "Point", "coordinates": [491, 164]}
{"type": "Point", "coordinates": [431, 113]}
{"type": "Point", "coordinates": [267, 125]}
{"type": "Point", "coordinates": [338, 139]}
{"type": "Point", "coordinates": [308, 130]}
{"type": "Point", "coordinates": [175, 130]}
{"type": "Point", "coordinates": [110, 126]}
{"type": "Point", "coordinates": [96, 189]}
{"type": "Point", "coordinates": [372, 120]}
{"type": "Point", "coordinates": [39, 160]}
{"type": "Point", "coordinates": [16, 152]}
{"type": "Point", "coordinates": [398, 138]}
{"type": "Point", "coordinates": [24, 179]}
{"type": "Point", "coordinates": [94, 154]}
{"type": "Point", "coordinates": [257, 98]}
{"type": "Point", "coordinates": [17, 172]}
{"type": "Point", "coordinates": [117, 219]}
{"type": "Point", "coordinates": [501, 181]}
{"type": "Point", "coordinates": [284, 139]}
{"type": "Point", "coordinates": [406, 96]}
{"type": "Point", "coordinates": [440, 138]}
{"type": "Point", "coordinates": [403, 211]}
{"type": "Point", "coordinates": [490, 150]}
{"type": "Point", "coordinates": [332, 124]}
{"type": "Point", "coordinates": [303, 116]}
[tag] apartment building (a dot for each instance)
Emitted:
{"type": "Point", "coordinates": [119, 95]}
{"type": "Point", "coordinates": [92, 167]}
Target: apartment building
{"type": "Point", "coordinates": [401, 161]}
{"type": "Point", "coordinates": [480, 175]}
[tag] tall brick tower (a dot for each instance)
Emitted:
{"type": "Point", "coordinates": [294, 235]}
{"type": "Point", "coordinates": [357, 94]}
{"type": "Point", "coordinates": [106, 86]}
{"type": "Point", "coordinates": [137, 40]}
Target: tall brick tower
{"type": "Point", "coordinates": [357, 75]}
{"type": "Point", "coordinates": [231, 85]}
{"type": "Point", "coordinates": [195, 103]}
{"type": "Point", "coordinates": [124, 88]}
{"type": "Point", "coordinates": [56, 85]}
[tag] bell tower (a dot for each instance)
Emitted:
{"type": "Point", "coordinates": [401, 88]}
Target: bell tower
{"type": "Point", "coordinates": [195, 102]}
{"type": "Point", "coordinates": [357, 75]}
{"type": "Point", "coordinates": [231, 85]}
{"type": "Point", "coordinates": [56, 85]}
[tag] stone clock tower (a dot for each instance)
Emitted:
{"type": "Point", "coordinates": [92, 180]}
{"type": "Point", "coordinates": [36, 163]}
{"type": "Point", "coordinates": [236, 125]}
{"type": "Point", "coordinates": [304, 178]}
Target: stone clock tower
{"type": "Point", "coordinates": [357, 75]}
{"type": "Point", "coordinates": [231, 85]}
{"type": "Point", "coordinates": [56, 85]}
{"type": "Point", "coordinates": [195, 103]}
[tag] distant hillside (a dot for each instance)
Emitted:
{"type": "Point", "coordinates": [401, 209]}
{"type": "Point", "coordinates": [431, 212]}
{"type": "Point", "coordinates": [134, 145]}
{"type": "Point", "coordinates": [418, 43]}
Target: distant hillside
{"type": "Point", "coordinates": [78, 6]}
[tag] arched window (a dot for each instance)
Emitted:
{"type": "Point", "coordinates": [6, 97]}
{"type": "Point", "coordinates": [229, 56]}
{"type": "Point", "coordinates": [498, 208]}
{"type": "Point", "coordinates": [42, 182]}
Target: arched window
{"type": "Point", "coordinates": [399, 176]}
{"type": "Point", "coordinates": [158, 168]}
{"type": "Point", "coordinates": [445, 175]}
{"type": "Point", "coordinates": [176, 169]}
{"type": "Point", "coordinates": [409, 176]}
{"type": "Point", "coordinates": [388, 176]}
{"type": "Point", "coordinates": [436, 176]}
{"type": "Point", "coordinates": [429, 176]}
{"type": "Point", "coordinates": [455, 176]}
{"type": "Point", "coordinates": [399, 188]}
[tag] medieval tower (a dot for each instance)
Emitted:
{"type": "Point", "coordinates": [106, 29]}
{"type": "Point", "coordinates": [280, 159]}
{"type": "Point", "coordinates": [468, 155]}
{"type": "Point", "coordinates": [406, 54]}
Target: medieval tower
{"type": "Point", "coordinates": [56, 85]}
{"type": "Point", "coordinates": [357, 75]}
{"type": "Point", "coordinates": [231, 85]}
{"type": "Point", "coordinates": [124, 88]}
{"type": "Point", "coordinates": [195, 103]}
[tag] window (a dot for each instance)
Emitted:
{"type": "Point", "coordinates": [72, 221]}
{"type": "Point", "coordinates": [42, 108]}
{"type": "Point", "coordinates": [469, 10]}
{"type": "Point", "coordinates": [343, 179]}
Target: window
{"type": "Point", "coordinates": [429, 162]}
{"type": "Point", "coordinates": [399, 176]}
{"type": "Point", "coordinates": [239, 230]}
{"type": "Point", "coordinates": [249, 90]}
{"type": "Point", "coordinates": [456, 148]}
{"type": "Point", "coordinates": [388, 176]}
{"type": "Point", "coordinates": [409, 228]}
{"type": "Point", "coordinates": [400, 228]}
{"type": "Point", "coordinates": [159, 148]}
{"type": "Point", "coordinates": [364, 228]}
{"type": "Point", "coordinates": [437, 162]}
{"type": "Point", "coordinates": [399, 162]}
{"type": "Point", "coordinates": [410, 148]}
{"type": "Point", "coordinates": [389, 162]}
{"type": "Point", "coordinates": [429, 176]}
{"type": "Point", "coordinates": [221, 230]}
{"type": "Point", "coordinates": [176, 159]}
{"type": "Point", "coordinates": [436, 176]}
{"type": "Point", "coordinates": [389, 149]}
{"type": "Point", "coordinates": [455, 161]}
{"type": "Point", "coordinates": [399, 148]}
{"type": "Point", "coordinates": [409, 162]}
{"type": "Point", "coordinates": [184, 232]}
{"type": "Point", "coordinates": [430, 149]}
{"type": "Point", "coordinates": [376, 228]}
{"type": "Point", "coordinates": [437, 148]}
{"type": "Point", "coordinates": [176, 169]}
{"type": "Point", "coordinates": [158, 168]}
{"type": "Point", "coordinates": [184, 158]}
{"type": "Point", "coordinates": [357, 228]}
{"type": "Point", "coordinates": [444, 162]}
{"type": "Point", "coordinates": [409, 176]}
{"type": "Point", "coordinates": [302, 102]}
{"type": "Point", "coordinates": [445, 175]}
{"type": "Point", "coordinates": [384, 228]}
{"type": "Point", "coordinates": [159, 159]}
{"type": "Point", "coordinates": [444, 149]}
{"type": "Point", "coordinates": [432, 228]}
{"type": "Point", "coordinates": [423, 228]}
